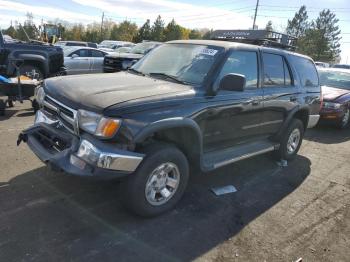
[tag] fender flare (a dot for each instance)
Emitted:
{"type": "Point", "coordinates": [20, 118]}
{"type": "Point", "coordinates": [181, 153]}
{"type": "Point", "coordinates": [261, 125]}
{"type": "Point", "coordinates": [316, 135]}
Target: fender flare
{"type": "Point", "coordinates": [29, 57]}
{"type": "Point", "coordinates": [289, 118]}
{"type": "Point", "coordinates": [170, 123]}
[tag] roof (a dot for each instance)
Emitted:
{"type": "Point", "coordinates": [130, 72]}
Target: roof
{"type": "Point", "coordinates": [228, 44]}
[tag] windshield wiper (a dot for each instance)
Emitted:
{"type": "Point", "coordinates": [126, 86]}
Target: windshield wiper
{"type": "Point", "coordinates": [136, 71]}
{"type": "Point", "coordinates": [166, 76]}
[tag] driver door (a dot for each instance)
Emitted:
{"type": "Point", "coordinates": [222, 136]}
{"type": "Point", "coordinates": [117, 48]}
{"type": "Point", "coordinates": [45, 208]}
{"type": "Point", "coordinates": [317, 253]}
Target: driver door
{"type": "Point", "coordinates": [235, 117]}
{"type": "Point", "coordinates": [78, 62]}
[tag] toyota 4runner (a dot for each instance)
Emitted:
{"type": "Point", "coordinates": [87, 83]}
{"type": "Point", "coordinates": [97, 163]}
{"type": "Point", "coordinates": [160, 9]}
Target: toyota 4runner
{"type": "Point", "coordinates": [198, 103]}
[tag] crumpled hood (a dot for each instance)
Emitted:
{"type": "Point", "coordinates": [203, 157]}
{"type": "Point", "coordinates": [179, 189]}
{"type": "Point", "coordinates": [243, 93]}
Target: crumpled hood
{"type": "Point", "coordinates": [331, 93]}
{"type": "Point", "coordinates": [125, 55]}
{"type": "Point", "coordinates": [99, 91]}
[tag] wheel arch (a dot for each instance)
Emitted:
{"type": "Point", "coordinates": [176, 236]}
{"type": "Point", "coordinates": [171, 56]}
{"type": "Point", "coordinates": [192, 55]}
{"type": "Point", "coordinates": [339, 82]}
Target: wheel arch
{"type": "Point", "coordinates": [182, 132]}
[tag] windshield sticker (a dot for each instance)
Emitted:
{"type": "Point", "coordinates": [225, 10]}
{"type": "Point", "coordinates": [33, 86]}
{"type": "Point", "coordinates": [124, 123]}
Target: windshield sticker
{"type": "Point", "coordinates": [207, 51]}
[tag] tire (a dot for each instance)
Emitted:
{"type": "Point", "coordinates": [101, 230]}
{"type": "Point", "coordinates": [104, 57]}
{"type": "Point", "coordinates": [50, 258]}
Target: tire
{"type": "Point", "coordinates": [344, 122]}
{"type": "Point", "coordinates": [28, 69]}
{"type": "Point", "coordinates": [35, 105]}
{"type": "Point", "coordinates": [138, 188]}
{"type": "Point", "coordinates": [295, 129]}
{"type": "Point", "coordinates": [11, 103]}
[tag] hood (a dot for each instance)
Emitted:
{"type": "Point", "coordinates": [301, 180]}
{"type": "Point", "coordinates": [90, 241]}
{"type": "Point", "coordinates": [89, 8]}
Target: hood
{"type": "Point", "coordinates": [126, 55]}
{"type": "Point", "coordinates": [331, 93]}
{"type": "Point", "coordinates": [99, 91]}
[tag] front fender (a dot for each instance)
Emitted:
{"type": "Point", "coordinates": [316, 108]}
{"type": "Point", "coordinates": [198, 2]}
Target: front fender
{"type": "Point", "coordinates": [167, 124]}
{"type": "Point", "coordinates": [28, 57]}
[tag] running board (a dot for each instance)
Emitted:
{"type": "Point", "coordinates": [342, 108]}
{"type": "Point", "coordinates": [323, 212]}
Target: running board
{"type": "Point", "coordinates": [220, 158]}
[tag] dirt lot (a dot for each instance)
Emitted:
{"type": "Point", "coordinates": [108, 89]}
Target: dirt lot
{"type": "Point", "coordinates": [278, 214]}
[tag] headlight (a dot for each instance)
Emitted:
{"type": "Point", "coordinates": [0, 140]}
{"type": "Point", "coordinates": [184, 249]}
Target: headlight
{"type": "Point", "coordinates": [97, 124]}
{"type": "Point", "coordinates": [331, 105]}
{"type": "Point", "coordinates": [40, 95]}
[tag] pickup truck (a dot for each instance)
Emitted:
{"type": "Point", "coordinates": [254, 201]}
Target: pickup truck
{"type": "Point", "coordinates": [190, 103]}
{"type": "Point", "coordinates": [46, 60]}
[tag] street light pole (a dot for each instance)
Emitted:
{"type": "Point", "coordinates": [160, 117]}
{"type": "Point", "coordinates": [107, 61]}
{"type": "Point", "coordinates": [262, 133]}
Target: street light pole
{"type": "Point", "coordinates": [256, 12]}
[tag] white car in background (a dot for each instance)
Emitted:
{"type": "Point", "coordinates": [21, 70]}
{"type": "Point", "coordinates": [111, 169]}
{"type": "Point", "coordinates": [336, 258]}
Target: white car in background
{"type": "Point", "coordinates": [83, 60]}
{"type": "Point", "coordinates": [111, 46]}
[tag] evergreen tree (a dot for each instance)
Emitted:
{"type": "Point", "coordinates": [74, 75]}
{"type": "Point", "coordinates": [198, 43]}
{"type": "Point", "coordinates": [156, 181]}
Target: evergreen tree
{"type": "Point", "coordinates": [173, 31]}
{"type": "Point", "coordinates": [299, 24]}
{"type": "Point", "coordinates": [326, 23]}
{"type": "Point", "coordinates": [144, 33]}
{"type": "Point", "coordinates": [158, 29]}
{"type": "Point", "coordinates": [195, 34]}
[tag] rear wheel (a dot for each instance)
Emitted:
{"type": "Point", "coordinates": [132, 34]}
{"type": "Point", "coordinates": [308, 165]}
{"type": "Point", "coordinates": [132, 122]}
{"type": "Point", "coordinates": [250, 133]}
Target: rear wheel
{"type": "Point", "coordinates": [158, 183]}
{"type": "Point", "coordinates": [344, 122]}
{"type": "Point", "coordinates": [291, 141]}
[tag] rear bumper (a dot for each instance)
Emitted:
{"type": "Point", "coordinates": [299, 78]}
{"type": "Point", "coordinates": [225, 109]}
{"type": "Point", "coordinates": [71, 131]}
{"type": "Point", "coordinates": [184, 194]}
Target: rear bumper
{"type": "Point", "coordinates": [61, 150]}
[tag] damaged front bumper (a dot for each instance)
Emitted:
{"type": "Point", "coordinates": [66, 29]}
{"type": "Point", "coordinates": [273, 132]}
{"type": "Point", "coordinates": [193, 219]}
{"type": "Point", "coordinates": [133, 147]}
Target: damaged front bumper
{"type": "Point", "coordinates": [82, 156]}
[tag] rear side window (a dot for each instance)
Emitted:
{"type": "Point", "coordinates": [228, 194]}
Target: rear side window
{"type": "Point", "coordinates": [95, 53]}
{"type": "Point", "coordinates": [244, 63]}
{"type": "Point", "coordinates": [276, 71]}
{"type": "Point", "coordinates": [306, 70]}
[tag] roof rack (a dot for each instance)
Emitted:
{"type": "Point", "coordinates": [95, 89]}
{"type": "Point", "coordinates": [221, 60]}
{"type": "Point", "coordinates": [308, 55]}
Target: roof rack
{"type": "Point", "coordinates": [257, 37]}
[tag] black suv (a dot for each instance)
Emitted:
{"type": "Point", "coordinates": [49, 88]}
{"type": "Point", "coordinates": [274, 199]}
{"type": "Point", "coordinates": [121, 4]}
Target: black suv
{"type": "Point", "coordinates": [198, 103]}
{"type": "Point", "coordinates": [45, 59]}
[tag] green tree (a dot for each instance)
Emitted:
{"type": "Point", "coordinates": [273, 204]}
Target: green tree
{"type": "Point", "coordinates": [195, 34]}
{"type": "Point", "coordinates": [299, 24]}
{"type": "Point", "coordinates": [126, 31]}
{"type": "Point", "coordinates": [207, 35]}
{"type": "Point", "coordinates": [173, 31]}
{"type": "Point", "coordinates": [11, 31]}
{"type": "Point", "coordinates": [158, 29]}
{"type": "Point", "coordinates": [144, 33]}
{"type": "Point", "coordinates": [327, 24]}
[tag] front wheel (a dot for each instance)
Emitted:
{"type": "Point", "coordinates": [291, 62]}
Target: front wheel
{"type": "Point", "coordinates": [344, 122]}
{"type": "Point", "coordinates": [158, 183]}
{"type": "Point", "coordinates": [291, 141]}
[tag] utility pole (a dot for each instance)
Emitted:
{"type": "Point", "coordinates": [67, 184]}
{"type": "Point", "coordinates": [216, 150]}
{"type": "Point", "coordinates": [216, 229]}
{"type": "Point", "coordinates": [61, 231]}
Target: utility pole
{"type": "Point", "coordinates": [103, 16]}
{"type": "Point", "coordinates": [256, 12]}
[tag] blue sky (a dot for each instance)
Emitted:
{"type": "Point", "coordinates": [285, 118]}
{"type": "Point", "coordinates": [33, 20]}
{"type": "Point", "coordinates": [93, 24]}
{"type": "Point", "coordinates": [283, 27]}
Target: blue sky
{"type": "Point", "coordinates": [220, 14]}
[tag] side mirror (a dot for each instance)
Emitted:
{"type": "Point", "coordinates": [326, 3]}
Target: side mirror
{"type": "Point", "coordinates": [74, 56]}
{"type": "Point", "coordinates": [233, 82]}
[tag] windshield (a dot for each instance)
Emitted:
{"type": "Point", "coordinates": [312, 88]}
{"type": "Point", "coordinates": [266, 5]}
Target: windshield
{"type": "Point", "coordinates": [188, 63]}
{"type": "Point", "coordinates": [142, 48]}
{"type": "Point", "coordinates": [335, 79]}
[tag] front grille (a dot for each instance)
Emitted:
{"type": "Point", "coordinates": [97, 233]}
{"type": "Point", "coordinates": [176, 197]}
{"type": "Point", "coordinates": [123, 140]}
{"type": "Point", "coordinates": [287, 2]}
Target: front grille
{"type": "Point", "coordinates": [61, 112]}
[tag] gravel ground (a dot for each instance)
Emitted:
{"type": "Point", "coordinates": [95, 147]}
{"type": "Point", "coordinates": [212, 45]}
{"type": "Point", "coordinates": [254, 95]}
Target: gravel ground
{"type": "Point", "coordinates": [277, 214]}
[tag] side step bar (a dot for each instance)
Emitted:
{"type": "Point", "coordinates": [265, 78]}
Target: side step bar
{"type": "Point", "coordinates": [220, 158]}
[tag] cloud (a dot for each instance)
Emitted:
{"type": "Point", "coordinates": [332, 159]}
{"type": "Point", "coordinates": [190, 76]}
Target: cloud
{"type": "Point", "coordinates": [47, 12]}
{"type": "Point", "coordinates": [188, 15]}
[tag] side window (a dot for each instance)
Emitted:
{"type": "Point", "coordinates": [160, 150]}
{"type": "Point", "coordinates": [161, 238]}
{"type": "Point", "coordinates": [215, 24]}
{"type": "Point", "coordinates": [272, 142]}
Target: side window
{"type": "Point", "coordinates": [276, 71]}
{"type": "Point", "coordinates": [81, 53]}
{"type": "Point", "coordinates": [244, 63]}
{"type": "Point", "coordinates": [307, 71]}
{"type": "Point", "coordinates": [95, 53]}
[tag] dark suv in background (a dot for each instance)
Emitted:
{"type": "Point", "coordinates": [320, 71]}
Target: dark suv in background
{"type": "Point", "coordinates": [197, 103]}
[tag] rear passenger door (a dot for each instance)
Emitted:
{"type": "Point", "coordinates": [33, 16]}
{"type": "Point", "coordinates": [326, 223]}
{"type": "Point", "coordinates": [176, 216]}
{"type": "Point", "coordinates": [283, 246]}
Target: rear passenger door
{"type": "Point", "coordinates": [96, 61]}
{"type": "Point", "coordinates": [280, 91]}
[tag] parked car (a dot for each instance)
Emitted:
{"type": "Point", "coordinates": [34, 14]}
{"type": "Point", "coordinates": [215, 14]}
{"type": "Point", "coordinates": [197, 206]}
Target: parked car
{"type": "Point", "coordinates": [197, 102]}
{"type": "Point", "coordinates": [321, 64]}
{"type": "Point", "coordinates": [342, 66]}
{"type": "Point", "coordinates": [336, 96]}
{"type": "Point", "coordinates": [76, 43]}
{"type": "Point", "coordinates": [83, 60]}
{"type": "Point", "coordinates": [111, 46]}
{"type": "Point", "coordinates": [44, 59]}
{"type": "Point", "coordinates": [115, 62]}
